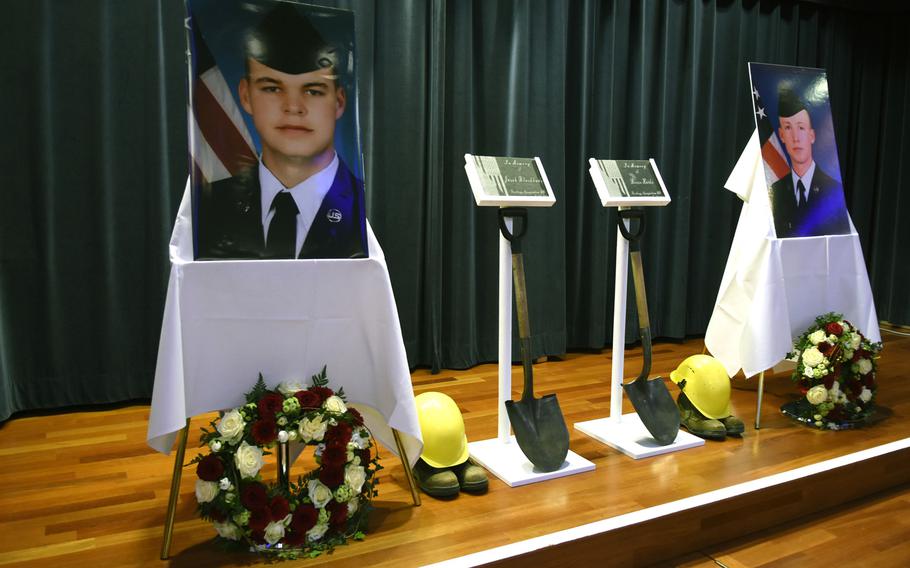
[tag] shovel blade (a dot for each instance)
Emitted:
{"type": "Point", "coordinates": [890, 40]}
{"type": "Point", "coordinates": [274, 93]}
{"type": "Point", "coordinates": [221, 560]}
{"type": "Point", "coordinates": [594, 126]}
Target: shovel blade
{"type": "Point", "coordinates": [540, 431]}
{"type": "Point", "coordinates": [655, 408]}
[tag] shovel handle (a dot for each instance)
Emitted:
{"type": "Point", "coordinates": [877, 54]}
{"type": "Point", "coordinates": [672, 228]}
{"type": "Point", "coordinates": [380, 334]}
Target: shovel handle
{"type": "Point", "coordinates": [632, 235]}
{"type": "Point", "coordinates": [514, 237]}
{"type": "Point", "coordinates": [638, 279]}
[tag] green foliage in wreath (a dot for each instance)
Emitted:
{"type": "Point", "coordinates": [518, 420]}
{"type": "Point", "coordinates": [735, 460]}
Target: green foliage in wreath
{"type": "Point", "coordinates": [323, 508]}
{"type": "Point", "coordinates": [835, 371]}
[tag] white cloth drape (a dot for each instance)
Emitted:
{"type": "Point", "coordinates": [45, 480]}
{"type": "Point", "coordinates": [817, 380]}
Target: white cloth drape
{"type": "Point", "coordinates": [773, 289]}
{"type": "Point", "coordinates": [227, 321]}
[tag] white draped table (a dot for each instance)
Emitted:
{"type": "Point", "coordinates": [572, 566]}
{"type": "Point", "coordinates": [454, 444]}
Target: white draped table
{"type": "Point", "coordinates": [773, 289]}
{"type": "Point", "coordinates": [227, 321]}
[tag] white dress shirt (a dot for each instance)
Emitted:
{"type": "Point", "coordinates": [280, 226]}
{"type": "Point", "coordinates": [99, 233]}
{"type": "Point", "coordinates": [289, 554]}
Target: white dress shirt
{"type": "Point", "coordinates": [807, 182]}
{"type": "Point", "coordinates": [308, 196]}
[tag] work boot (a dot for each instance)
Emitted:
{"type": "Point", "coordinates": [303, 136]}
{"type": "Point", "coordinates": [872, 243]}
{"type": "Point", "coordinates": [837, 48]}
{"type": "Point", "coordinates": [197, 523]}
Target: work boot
{"type": "Point", "coordinates": [733, 425]}
{"type": "Point", "coordinates": [434, 481]}
{"type": "Point", "coordinates": [471, 477]}
{"type": "Point", "coordinates": [697, 423]}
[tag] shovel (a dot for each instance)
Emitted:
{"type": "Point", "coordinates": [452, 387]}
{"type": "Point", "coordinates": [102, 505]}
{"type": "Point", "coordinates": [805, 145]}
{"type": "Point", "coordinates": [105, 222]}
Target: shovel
{"type": "Point", "coordinates": [651, 398]}
{"type": "Point", "coordinates": [538, 423]}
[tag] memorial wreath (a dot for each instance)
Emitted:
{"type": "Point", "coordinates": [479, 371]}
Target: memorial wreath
{"type": "Point", "coordinates": [835, 371]}
{"type": "Point", "coordinates": [324, 507]}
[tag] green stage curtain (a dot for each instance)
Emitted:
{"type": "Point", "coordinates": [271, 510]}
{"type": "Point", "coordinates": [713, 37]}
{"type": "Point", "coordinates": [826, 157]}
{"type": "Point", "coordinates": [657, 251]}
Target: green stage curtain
{"type": "Point", "coordinates": [96, 158]}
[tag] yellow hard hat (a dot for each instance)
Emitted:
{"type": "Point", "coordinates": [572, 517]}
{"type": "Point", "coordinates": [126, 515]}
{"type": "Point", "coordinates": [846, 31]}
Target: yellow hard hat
{"type": "Point", "coordinates": [705, 383]}
{"type": "Point", "coordinates": [444, 440]}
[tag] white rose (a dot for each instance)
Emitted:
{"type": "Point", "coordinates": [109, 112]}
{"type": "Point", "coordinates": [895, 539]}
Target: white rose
{"type": "Point", "coordinates": [228, 530]}
{"type": "Point", "coordinates": [215, 445]}
{"type": "Point", "coordinates": [832, 339]}
{"type": "Point", "coordinates": [248, 460]}
{"type": "Point", "coordinates": [335, 404]}
{"type": "Point", "coordinates": [231, 426]}
{"type": "Point", "coordinates": [282, 436]}
{"type": "Point", "coordinates": [834, 392]}
{"type": "Point", "coordinates": [864, 366]}
{"type": "Point", "coordinates": [274, 532]}
{"type": "Point", "coordinates": [817, 394]}
{"type": "Point", "coordinates": [225, 484]}
{"type": "Point", "coordinates": [354, 475]}
{"type": "Point", "coordinates": [317, 531]}
{"type": "Point", "coordinates": [287, 388]}
{"type": "Point", "coordinates": [809, 372]}
{"type": "Point", "coordinates": [319, 494]}
{"type": "Point", "coordinates": [353, 505]}
{"type": "Point", "coordinates": [848, 354]}
{"type": "Point", "coordinates": [812, 356]}
{"type": "Point", "coordinates": [206, 491]}
{"type": "Point", "coordinates": [855, 340]}
{"type": "Point", "coordinates": [312, 430]}
{"type": "Point", "coordinates": [865, 395]}
{"type": "Point", "coordinates": [817, 336]}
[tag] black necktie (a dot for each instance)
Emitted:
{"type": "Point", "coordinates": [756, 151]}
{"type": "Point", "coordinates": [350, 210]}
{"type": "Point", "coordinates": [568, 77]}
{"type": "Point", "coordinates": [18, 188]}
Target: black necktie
{"type": "Point", "coordinates": [282, 237]}
{"type": "Point", "coordinates": [801, 190]}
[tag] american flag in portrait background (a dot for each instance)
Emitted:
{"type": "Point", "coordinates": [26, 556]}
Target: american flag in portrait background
{"type": "Point", "coordinates": [220, 143]}
{"type": "Point", "coordinates": [773, 156]}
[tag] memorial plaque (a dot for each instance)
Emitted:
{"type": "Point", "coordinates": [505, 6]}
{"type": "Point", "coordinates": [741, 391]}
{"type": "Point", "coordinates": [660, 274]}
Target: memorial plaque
{"type": "Point", "coordinates": [508, 181]}
{"type": "Point", "coordinates": [628, 183]}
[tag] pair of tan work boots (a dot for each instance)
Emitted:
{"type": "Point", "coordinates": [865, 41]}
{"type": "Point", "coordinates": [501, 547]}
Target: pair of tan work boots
{"type": "Point", "coordinates": [704, 427]}
{"type": "Point", "coordinates": [447, 482]}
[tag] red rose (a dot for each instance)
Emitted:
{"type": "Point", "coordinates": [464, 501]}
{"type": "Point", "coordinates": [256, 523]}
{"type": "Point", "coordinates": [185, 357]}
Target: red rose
{"type": "Point", "coordinates": [358, 418]}
{"type": "Point", "coordinates": [279, 507]}
{"type": "Point", "coordinates": [364, 456]}
{"type": "Point", "coordinates": [253, 496]}
{"type": "Point", "coordinates": [294, 538]}
{"type": "Point", "coordinates": [308, 399]}
{"type": "Point", "coordinates": [265, 431]}
{"type": "Point", "coordinates": [259, 519]}
{"type": "Point", "coordinates": [829, 381]}
{"type": "Point", "coordinates": [210, 468]}
{"type": "Point", "coordinates": [333, 456]}
{"type": "Point", "coordinates": [258, 536]}
{"type": "Point", "coordinates": [869, 381]}
{"type": "Point", "coordinates": [304, 518]}
{"type": "Point", "coordinates": [339, 516]}
{"type": "Point", "coordinates": [340, 432]}
{"type": "Point", "coordinates": [322, 392]}
{"type": "Point", "coordinates": [217, 514]}
{"type": "Point", "coordinates": [270, 405]}
{"type": "Point", "coordinates": [836, 413]}
{"type": "Point", "coordinates": [834, 328]}
{"type": "Point", "coordinates": [825, 348]}
{"type": "Point", "coordinates": [332, 476]}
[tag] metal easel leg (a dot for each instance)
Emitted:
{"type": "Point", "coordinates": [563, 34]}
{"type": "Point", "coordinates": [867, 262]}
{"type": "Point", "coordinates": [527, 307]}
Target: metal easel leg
{"type": "Point", "coordinates": [175, 491]}
{"type": "Point", "coordinates": [761, 391]}
{"type": "Point", "coordinates": [415, 495]}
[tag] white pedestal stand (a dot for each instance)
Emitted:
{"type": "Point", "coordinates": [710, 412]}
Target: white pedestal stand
{"type": "Point", "coordinates": [625, 432]}
{"type": "Point", "coordinates": [501, 455]}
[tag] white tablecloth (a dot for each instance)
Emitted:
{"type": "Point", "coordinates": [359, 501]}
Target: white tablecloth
{"type": "Point", "coordinates": [227, 321]}
{"type": "Point", "coordinates": [773, 289]}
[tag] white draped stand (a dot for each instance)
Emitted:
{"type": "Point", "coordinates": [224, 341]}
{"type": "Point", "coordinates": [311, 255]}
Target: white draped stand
{"type": "Point", "coordinates": [227, 321]}
{"type": "Point", "coordinates": [773, 289]}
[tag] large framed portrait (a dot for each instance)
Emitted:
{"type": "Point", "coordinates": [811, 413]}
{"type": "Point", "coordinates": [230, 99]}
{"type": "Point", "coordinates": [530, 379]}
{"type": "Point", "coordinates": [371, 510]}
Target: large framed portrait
{"type": "Point", "coordinates": [276, 166]}
{"type": "Point", "coordinates": [793, 116]}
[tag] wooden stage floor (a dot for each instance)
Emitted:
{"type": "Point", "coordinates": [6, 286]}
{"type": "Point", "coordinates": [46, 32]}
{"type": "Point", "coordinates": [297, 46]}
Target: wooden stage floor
{"type": "Point", "coordinates": [83, 489]}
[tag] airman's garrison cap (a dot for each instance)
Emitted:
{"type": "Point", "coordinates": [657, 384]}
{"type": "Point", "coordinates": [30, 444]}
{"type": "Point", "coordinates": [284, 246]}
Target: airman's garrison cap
{"type": "Point", "coordinates": [789, 103]}
{"type": "Point", "coordinates": [285, 40]}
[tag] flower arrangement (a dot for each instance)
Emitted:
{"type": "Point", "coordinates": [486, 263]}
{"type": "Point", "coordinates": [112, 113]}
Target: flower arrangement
{"type": "Point", "coordinates": [323, 508]}
{"type": "Point", "coordinates": [835, 371]}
